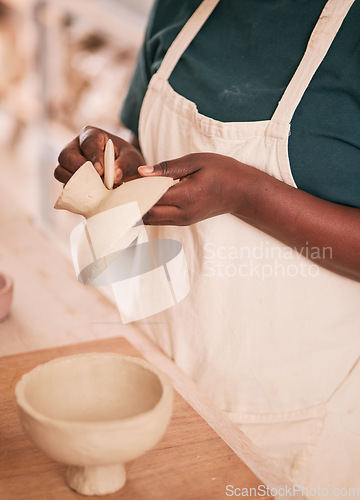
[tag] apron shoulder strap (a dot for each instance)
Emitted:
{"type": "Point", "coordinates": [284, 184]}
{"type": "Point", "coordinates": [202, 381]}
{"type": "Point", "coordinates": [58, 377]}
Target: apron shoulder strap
{"type": "Point", "coordinates": [319, 43]}
{"type": "Point", "coordinates": [185, 37]}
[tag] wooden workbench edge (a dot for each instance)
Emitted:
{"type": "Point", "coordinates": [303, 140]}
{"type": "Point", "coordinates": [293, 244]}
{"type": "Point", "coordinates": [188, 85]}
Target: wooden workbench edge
{"type": "Point", "coordinates": [253, 457]}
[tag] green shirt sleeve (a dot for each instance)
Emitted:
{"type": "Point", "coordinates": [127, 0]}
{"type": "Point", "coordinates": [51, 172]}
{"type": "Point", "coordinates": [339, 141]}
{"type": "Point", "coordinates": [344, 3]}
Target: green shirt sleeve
{"type": "Point", "coordinates": [166, 19]}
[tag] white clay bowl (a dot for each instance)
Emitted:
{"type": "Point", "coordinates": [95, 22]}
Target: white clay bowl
{"type": "Point", "coordinates": [95, 412]}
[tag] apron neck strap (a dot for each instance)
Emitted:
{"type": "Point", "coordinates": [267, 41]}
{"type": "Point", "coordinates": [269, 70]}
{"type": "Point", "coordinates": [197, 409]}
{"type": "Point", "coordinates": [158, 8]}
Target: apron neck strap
{"type": "Point", "coordinates": [321, 38]}
{"type": "Point", "coordinates": [185, 37]}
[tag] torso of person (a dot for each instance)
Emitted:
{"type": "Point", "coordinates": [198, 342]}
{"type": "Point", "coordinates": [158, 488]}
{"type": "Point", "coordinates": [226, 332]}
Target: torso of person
{"type": "Point", "coordinates": [238, 66]}
{"type": "Point", "coordinates": [271, 337]}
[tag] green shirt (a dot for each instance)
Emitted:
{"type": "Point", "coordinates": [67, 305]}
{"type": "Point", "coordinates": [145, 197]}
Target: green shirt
{"type": "Point", "coordinates": [238, 66]}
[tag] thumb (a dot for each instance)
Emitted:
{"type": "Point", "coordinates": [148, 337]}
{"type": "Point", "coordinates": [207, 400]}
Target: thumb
{"type": "Point", "coordinates": [178, 168]}
{"type": "Point", "coordinates": [92, 143]}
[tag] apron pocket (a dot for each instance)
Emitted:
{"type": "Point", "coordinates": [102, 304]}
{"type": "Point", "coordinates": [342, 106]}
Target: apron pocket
{"type": "Point", "coordinates": [288, 438]}
{"type": "Point", "coordinates": [335, 462]}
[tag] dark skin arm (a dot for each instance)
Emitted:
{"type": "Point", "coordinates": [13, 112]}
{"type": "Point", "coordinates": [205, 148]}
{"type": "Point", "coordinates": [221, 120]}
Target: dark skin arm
{"type": "Point", "coordinates": [295, 218]}
{"type": "Point", "coordinates": [292, 216]}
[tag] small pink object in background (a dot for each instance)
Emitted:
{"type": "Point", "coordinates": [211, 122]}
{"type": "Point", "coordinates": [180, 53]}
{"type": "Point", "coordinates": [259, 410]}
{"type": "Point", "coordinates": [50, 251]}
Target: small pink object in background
{"type": "Point", "coordinates": [6, 294]}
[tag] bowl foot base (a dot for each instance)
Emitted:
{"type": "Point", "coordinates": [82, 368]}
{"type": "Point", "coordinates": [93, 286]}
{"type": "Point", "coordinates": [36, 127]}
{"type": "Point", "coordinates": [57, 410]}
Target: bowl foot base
{"type": "Point", "coordinates": [100, 480]}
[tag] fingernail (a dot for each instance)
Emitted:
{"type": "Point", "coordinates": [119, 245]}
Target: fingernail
{"type": "Point", "coordinates": [146, 169]}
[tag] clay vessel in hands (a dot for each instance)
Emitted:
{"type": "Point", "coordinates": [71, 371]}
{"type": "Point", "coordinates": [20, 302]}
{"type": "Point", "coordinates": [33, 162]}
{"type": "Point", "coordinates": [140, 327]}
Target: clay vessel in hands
{"type": "Point", "coordinates": [95, 412]}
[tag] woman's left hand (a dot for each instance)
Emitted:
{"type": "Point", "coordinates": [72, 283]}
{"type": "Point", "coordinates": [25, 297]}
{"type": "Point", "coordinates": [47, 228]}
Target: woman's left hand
{"type": "Point", "coordinates": [209, 185]}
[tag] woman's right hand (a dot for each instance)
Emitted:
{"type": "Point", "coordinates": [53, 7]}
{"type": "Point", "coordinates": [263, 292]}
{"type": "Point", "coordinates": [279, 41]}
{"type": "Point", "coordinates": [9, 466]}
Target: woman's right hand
{"type": "Point", "coordinates": [90, 145]}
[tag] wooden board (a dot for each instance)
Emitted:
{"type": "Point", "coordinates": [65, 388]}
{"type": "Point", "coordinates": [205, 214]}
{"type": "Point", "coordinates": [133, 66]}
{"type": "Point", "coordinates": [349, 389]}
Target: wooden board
{"type": "Point", "coordinates": [191, 462]}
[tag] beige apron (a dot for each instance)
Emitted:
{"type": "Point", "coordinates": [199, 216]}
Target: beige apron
{"type": "Point", "coordinates": [266, 333]}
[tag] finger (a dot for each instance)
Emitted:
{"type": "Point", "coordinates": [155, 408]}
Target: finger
{"type": "Point", "coordinates": [62, 175]}
{"type": "Point", "coordinates": [126, 165]}
{"type": "Point", "coordinates": [92, 142]}
{"type": "Point", "coordinates": [178, 168]}
{"type": "Point", "coordinates": [165, 216]}
{"type": "Point", "coordinates": [118, 176]}
{"type": "Point", "coordinates": [71, 157]}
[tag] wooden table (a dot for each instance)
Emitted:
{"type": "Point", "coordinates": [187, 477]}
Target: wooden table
{"type": "Point", "coordinates": [202, 451]}
{"type": "Point", "coordinates": [190, 462]}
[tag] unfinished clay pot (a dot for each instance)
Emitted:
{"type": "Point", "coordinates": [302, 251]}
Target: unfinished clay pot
{"type": "Point", "coordinates": [85, 193]}
{"type": "Point", "coordinates": [6, 295]}
{"type": "Point", "coordinates": [95, 412]}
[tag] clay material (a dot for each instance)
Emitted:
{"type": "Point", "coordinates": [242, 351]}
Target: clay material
{"type": "Point", "coordinates": [114, 225]}
{"type": "Point", "coordinates": [6, 295]}
{"type": "Point", "coordinates": [95, 412]}
{"type": "Point", "coordinates": [85, 193]}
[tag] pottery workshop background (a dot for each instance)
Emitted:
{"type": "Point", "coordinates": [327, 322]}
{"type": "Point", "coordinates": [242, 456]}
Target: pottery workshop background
{"type": "Point", "coordinates": [64, 64]}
